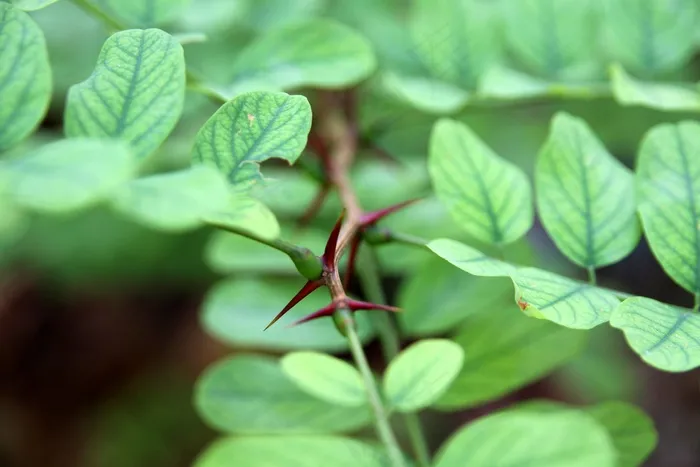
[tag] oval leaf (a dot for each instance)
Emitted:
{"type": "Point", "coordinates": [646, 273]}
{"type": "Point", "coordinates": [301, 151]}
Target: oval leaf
{"type": "Point", "coordinates": [317, 53]}
{"type": "Point", "coordinates": [289, 451]}
{"type": "Point", "coordinates": [669, 199]}
{"type": "Point", "coordinates": [32, 5]}
{"type": "Point", "coordinates": [25, 76]}
{"type": "Point", "coordinates": [470, 259]}
{"type": "Point", "coordinates": [419, 375]}
{"type": "Point", "coordinates": [249, 129]}
{"type": "Point", "coordinates": [585, 196]}
{"type": "Point", "coordinates": [427, 94]}
{"type": "Point", "coordinates": [662, 96]}
{"type": "Point", "coordinates": [487, 196]}
{"type": "Point", "coordinates": [326, 378]}
{"type": "Point", "coordinates": [557, 438]}
{"type": "Point", "coordinates": [505, 350]}
{"type": "Point", "coordinates": [244, 213]}
{"type": "Point", "coordinates": [251, 395]}
{"type": "Point", "coordinates": [136, 92]}
{"type": "Point", "coordinates": [141, 13]}
{"type": "Point", "coordinates": [552, 38]}
{"type": "Point", "coordinates": [69, 174]}
{"type": "Point", "coordinates": [236, 311]}
{"type": "Point", "coordinates": [569, 303]}
{"type": "Point", "coordinates": [665, 336]}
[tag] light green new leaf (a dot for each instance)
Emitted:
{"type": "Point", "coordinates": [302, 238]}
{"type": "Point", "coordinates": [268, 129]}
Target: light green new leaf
{"type": "Point", "coordinates": [438, 296]}
{"type": "Point", "coordinates": [32, 5]}
{"type": "Point", "coordinates": [503, 83]}
{"type": "Point", "coordinates": [236, 312]}
{"type": "Point", "coordinates": [325, 377]}
{"type": "Point", "coordinates": [487, 196]}
{"type": "Point", "coordinates": [665, 336]}
{"type": "Point", "coordinates": [569, 303]}
{"type": "Point", "coordinates": [25, 76]}
{"type": "Point", "coordinates": [136, 92]}
{"type": "Point", "coordinates": [500, 358]}
{"type": "Point", "coordinates": [250, 394]}
{"type": "Point", "coordinates": [552, 38]}
{"type": "Point", "coordinates": [585, 196]}
{"type": "Point", "coordinates": [245, 213]}
{"type": "Point", "coordinates": [650, 38]}
{"type": "Point", "coordinates": [668, 184]}
{"type": "Point", "coordinates": [469, 259]}
{"type": "Point", "coordinates": [426, 94]}
{"type": "Point", "coordinates": [249, 129]}
{"type": "Point", "coordinates": [174, 201]}
{"type": "Point", "coordinates": [420, 374]}
{"type": "Point", "coordinates": [317, 53]}
{"type": "Point", "coordinates": [557, 438]}
{"type": "Point", "coordinates": [631, 430]}
{"type": "Point", "coordinates": [662, 96]}
{"type": "Point", "coordinates": [141, 13]}
{"type": "Point", "coordinates": [289, 451]}
{"type": "Point", "coordinates": [457, 40]}
{"type": "Point", "coordinates": [69, 174]}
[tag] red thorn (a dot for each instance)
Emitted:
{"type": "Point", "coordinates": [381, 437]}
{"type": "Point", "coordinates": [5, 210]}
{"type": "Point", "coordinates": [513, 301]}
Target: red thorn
{"type": "Point", "coordinates": [355, 305]}
{"type": "Point", "coordinates": [309, 287]}
{"type": "Point", "coordinates": [370, 218]}
{"type": "Point", "coordinates": [327, 310]}
{"type": "Point", "coordinates": [332, 243]}
{"type": "Point", "coordinates": [354, 248]}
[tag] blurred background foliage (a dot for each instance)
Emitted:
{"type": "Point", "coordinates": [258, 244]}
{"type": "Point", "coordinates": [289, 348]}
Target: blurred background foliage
{"type": "Point", "coordinates": [102, 320]}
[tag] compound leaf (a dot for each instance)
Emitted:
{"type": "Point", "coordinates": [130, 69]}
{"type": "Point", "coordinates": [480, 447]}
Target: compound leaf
{"type": "Point", "coordinates": [420, 374]}
{"type": "Point", "coordinates": [250, 394]}
{"type": "Point", "coordinates": [69, 174]}
{"type": "Point", "coordinates": [665, 336]}
{"type": "Point", "coordinates": [25, 76]}
{"type": "Point", "coordinates": [662, 96]}
{"type": "Point", "coordinates": [141, 13]}
{"type": "Point", "coordinates": [290, 451]}
{"type": "Point", "coordinates": [317, 53]}
{"type": "Point", "coordinates": [469, 259]}
{"type": "Point", "coordinates": [249, 129]}
{"type": "Point", "coordinates": [556, 438]}
{"type": "Point", "coordinates": [500, 358]}
{"type": "Point", "coordinates": [569, 303]}
{"type": "Point", "coordinates": [488, 196]}
{"type": "Point", "coordinates": [585, 196]}
{"type": "Point", "coordinates": [668, 182]}
{"type": "Point", "coordinates": [325, 377]}
{"type": "Point", "coordinates": [136, 92]}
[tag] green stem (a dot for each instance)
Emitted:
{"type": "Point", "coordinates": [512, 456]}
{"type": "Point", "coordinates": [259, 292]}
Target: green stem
{"type": "Point", "coordinates": [386, 435]}
{"type": "Point", "coordinates": [591, 275]}
{"type": "Point", "coordinates": [388, 336]}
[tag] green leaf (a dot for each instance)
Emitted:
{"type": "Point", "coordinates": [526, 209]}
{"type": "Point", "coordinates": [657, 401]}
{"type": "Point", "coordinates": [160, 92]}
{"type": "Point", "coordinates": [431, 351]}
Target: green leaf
{"type": "Point", "coordinates": [569, 303]}
{"type": "Point", "coordinates": [69, 174]}
{"type": "Point", "coordinates": [439, 296]}
{"type": "Point", "coordinates": [136, 92]}
{"type": "Point", "coordinates": [245, 213]}
{"type": "Point", "coordinates": [174, 201]}
{"type": "Point", "coordinates": [470, 259]}
{"type": "Point", "coordinates": [141, 13]}
{"type": "Point", "coordinates": [662, 96]}
{"type": "Point", "coordinates": [325, 377]}
{"type": "Point", "coordinates": [502, 83]}
{"type": "Point", "coordinates": [488, 196]}
{"type": "Point", "coordinates": [631, 430]}
{"type": "Point", "coordinates": [558, 438]}
{"type": "Point", "coordinates": [289, 451]}
{"type": "Point", "coordinates": [665, 336]}
{"type": "Point", "coordinates": [250, 394]}
{"type": "Point", "coordinates": [456, 40]}
{"type": "Point", "coordinates": [420, 374]}
{"type": "Point", "coordinates": [669, 199]}
{"type": "Point", "coordinates": [585, 196]}
{"type": "Point", "coordinates": [236, 312]}
{"type": "Point", "coordinates": [31, 5]}
{"type": "Point", "coordinates": [318, 53]}
{"type": "Point", "coordinates": [505, 350]}
{"type": "Point", "coordinates": [25, 76]}
{"type": "Point", "coordinates": [649, 38]}
{"type": "Point", "coordinates": [426, 94]}
{"type": "Point", "coordinates": [13, 224]}
{"type": "Point", "coordinates": [552, 38]}
{"type": "Point", "coordinates": [252, 128]}
{"type": "Point", "coordinates": [264, 15]}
